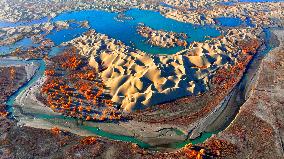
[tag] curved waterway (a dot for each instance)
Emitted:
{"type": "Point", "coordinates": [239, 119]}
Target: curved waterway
{"type": "Point", "coordinates": [99, 132]}
{"type": "Point", "coordinates": [39, 73]}
{"type": "Point", "coordinates": [104, 22]}
{"type": "Point", "coordinates": [237, 97]}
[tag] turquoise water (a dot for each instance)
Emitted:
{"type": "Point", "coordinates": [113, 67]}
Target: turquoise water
{"type": "Point", "coordinates": [204, 136]}
{"type": "Point", "coordinates": [39, 73]}
{"type": "Point", "coordinates": [94, 130]}
{"type": "Point", "coordinates": [102, 133]}
{"type": "Point", "coordinates": [26, 42]}
{"type": "Point", "coordinates": [25, 23]}
{"type": "Point", "coordinates": [229, 21]}
{"type": "Point", "coordinates": [104, 22]}
{"type": "Point", "coordinates": [234, 22]}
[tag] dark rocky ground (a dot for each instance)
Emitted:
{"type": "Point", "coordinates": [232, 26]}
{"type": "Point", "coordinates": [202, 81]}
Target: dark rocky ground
{"type": "Point", "coordinates": [11, 78]}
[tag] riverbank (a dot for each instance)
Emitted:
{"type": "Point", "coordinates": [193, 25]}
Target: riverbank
{"type": "Point", "coordinates": [14, 74]}
{"type": "Point", "coordinates": [138, 100]}
{"type": "Point", "coordinates": [258, 126]}
{"type": "Point", "coordinates": [151, 131]}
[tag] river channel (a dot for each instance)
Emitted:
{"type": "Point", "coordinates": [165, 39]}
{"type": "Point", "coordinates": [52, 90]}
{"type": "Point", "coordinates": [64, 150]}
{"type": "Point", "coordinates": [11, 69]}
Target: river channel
{"type": "Point", "coordinates": [104, 22]}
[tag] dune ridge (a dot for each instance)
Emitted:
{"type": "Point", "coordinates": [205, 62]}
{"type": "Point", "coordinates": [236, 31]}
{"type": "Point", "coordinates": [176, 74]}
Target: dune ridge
{"type": "Point", "coordinates": [136, 79]}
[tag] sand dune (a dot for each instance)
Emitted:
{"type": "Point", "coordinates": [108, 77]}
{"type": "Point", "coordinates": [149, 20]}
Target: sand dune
{"type": "Point", "coordinates": [137, 79]}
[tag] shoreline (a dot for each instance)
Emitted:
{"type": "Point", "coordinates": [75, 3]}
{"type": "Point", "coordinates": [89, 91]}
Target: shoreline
{"type": "Point", "coordinates": [260, 111]}
{"type": "Point", "coordinates": [86, 132]}
{"type": "Point", "coordinates": [103, 79]}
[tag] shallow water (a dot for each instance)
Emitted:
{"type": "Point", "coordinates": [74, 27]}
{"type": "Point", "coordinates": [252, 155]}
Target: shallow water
{"type": "Point", "coordinates": [26, 23]}
{"type": "Point", "coordinates": [53, 119]}
{"type": "Point", "coordinates": [26, 42]}
{"type": "Point", "coordinates": [104, 22]}
{"type": "Point", "coordinates": [229, 21]}
{"type": "Point", "coordinates": [204, 136]}
{"type": "Point", "coordinates": [39, 73]}
{"type": "Point", "coordinates": [102, 133]}
{"type": "Point", "coordinates": [95, 130]}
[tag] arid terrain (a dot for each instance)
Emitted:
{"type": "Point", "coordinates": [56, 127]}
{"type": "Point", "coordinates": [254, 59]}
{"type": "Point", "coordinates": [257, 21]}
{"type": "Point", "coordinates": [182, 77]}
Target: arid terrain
{"type": "Point", "coordinates": [141, 79]}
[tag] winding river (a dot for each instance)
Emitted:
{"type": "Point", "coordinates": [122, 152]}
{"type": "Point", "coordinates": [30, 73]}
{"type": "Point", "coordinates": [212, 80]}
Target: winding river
{"type": "Point", "coordinates": [125, 31]}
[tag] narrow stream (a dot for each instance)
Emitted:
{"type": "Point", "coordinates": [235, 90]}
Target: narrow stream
{"type": "Point", "coordinates": [241, 86]}
{"type": "Point", "coordinates": [239, 93]}
{"type": "Point", "coordinates": [198, 34]}
{"type": "Point", "coordinates": [39, 73]}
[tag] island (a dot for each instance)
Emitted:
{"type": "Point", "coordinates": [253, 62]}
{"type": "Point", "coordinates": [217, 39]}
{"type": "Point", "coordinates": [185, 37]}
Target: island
{"type": "Point", "coordinates": [141, 79]}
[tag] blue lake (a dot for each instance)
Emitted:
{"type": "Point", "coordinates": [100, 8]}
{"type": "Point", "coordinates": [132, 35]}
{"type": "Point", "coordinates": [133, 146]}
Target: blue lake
{"type": "Point", "coordinates": [22, 43]}
{"type": "Point", "coordinates": [10, 24]}
{"type": "Point", "coordinates": [234, 22]}
{"type": "Point", "coordinates": [229, 21]}
{"type": "Point", "coordinates": [104, 22]}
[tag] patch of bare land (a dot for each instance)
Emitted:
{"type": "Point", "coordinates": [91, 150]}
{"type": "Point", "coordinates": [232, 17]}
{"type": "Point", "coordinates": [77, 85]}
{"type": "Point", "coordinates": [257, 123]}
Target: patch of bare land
{"type": "Point", "coordinates": [14, 74]}
{"type": "Point", "coordinates": [162, 38]}
{"type": "Point", "coordinates": [261, 14]}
